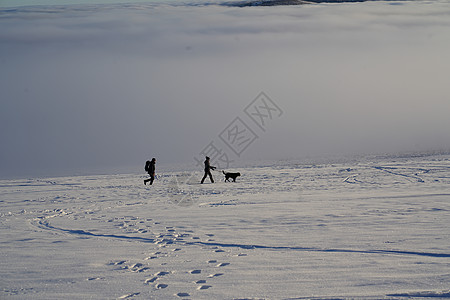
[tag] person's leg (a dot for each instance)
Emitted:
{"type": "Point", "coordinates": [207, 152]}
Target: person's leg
{"type": "Point", "coordinates": [152, 177]}
{"type": "Point", "coordinates": [210, 176]}
{"type": "Point", "coordinates": [204, 177]}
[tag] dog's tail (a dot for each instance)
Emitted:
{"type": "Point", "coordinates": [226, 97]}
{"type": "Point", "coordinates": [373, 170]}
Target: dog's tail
{"type": "Point", "coordinates": [223, 171]}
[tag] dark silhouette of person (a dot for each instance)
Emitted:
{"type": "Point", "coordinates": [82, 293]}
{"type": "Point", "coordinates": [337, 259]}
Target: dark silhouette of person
{"type": "Point", "coordinates": [208, 169]}
{"type": "Point", "coordinates": [150, 168]}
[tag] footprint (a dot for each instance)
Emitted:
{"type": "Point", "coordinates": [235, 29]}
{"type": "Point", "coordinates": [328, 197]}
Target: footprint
{"type": "Point", "coordinates": [118, 263]}
{"type": "Point", "coordinates": [203, 287]}
{"type": "Point", "coordinates": [200, 281]}
{"type": "Point", "coordinates": [182, 295]}
{"type": "Point", "coordinates": [128, 296]}
{"type": "Point", "coordinates": [142, 269]}
{"type": "Point", "coordinates": [95, 278]}
{"type": "Point", "coordinates": [195, 271]}
{"type": "Point", "coordinates": [162, 273]}
{"type": "Point", "coordinates": [138, 267]}
{"type": "Point", "coordinates": [215, 275]}
{"type": "Point", "coordinates": [161, 286]}
{"type": "Point", "coordinates": [212, 261]}
{"type": "Point", "coordinates": [151, 280]}
{"type": "Point", "coordinates": [222, 265]}
{"type": "Point", "coordinates": [170, 229]}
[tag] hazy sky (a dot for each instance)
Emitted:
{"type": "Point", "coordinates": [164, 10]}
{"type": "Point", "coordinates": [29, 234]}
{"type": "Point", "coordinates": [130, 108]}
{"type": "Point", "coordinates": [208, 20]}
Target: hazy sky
{"type": "Point", "coordinates": [101, 88]}
{"type": "Point", "coordinates": [16, 3]}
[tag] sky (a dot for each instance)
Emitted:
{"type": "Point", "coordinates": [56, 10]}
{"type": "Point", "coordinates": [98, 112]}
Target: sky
{"type": "Point", "coordinates": [102, 88]}
{"type": "Point", "coordinates": [17, 3]}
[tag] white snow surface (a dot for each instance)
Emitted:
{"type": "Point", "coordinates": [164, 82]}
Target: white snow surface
{"type": "Point", "coordinates": [370, 228]}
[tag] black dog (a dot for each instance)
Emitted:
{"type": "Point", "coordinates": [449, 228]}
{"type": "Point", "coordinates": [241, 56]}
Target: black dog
{"type": "Point", "coordinates": [231, 175]}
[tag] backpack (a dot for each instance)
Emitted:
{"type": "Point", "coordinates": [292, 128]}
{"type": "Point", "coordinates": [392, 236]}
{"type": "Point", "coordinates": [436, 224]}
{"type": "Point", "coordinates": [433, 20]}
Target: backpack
{"type": "Point", "coordinates": [147, 166]}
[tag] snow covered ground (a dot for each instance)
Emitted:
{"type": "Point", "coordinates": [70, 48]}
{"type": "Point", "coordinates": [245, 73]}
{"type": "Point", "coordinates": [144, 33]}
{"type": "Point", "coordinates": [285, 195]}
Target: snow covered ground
{"type": "Point", "coordinates": [99, 87]}
{"type": "Point", "coordinates": [374, 227]}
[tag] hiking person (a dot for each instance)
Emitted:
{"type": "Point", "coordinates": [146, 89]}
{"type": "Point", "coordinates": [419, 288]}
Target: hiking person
{"type": "Point", "coordinates": [150, 168]}
{"type": "Point", "coordinates": [208, 169]}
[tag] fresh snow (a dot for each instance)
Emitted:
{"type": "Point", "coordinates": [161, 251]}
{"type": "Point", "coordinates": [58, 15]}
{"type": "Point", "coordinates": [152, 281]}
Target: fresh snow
{"type": "Point", "coordinates": [370, 228]}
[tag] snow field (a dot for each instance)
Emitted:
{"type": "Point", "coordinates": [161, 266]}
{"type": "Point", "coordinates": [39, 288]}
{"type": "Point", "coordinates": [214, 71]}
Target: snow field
{"type": "Point", "coordinates": [371, 228]}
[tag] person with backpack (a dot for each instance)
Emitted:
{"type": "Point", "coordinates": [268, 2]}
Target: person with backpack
{"type": "Point", "coordinates": [150, 169]}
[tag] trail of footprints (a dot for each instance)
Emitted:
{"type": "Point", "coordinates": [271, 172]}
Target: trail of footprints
{"type": "Point", "coordinates": [200, 284]}
{"type": "Point", "coordinates": [168, 244]}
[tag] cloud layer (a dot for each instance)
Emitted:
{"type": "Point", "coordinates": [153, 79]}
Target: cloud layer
{"type": "Point", "coordinates": [99, 88]}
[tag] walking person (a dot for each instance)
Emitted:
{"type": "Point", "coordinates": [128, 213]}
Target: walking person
{"type": "Point", "coordinates": [208, 169]}
{"type": "Point", "coordinates": [150, 168]}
